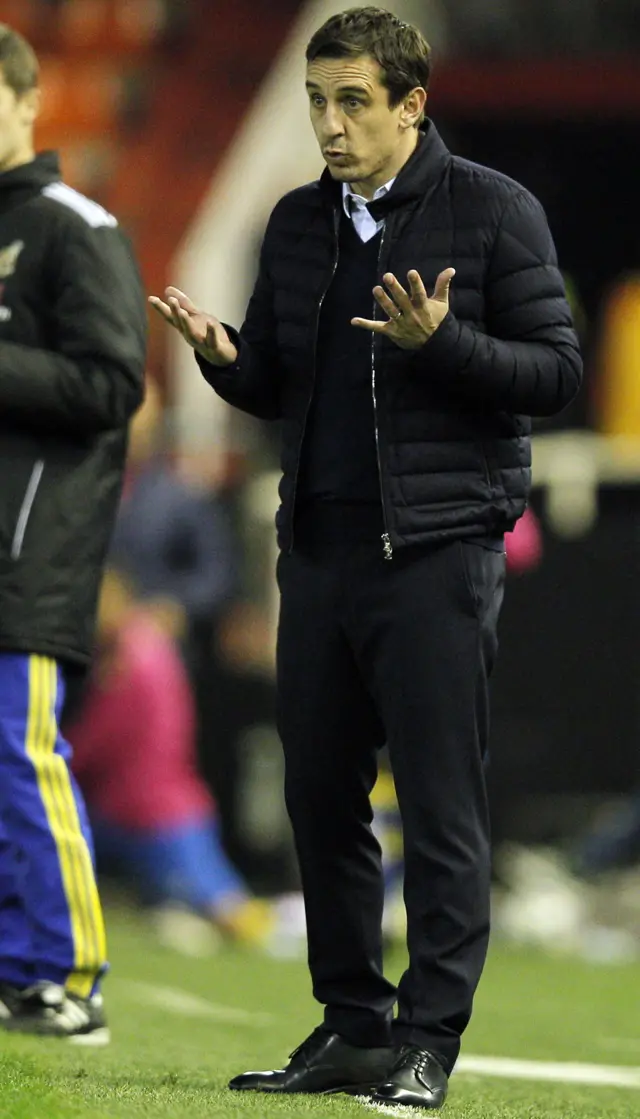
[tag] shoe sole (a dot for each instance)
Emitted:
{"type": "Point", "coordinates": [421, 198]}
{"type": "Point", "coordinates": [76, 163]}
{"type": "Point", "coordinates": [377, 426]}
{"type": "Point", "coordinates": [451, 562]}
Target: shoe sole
{"type": "Point", "coordinates": [346, 1089]}
{"type": "Point", "coordinates": [93, 1040]}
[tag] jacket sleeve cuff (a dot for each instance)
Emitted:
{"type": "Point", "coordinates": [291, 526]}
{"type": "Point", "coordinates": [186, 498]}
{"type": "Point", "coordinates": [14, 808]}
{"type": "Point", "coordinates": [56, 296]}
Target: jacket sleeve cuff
{"type": "Point", "coordinates": [221, 374]}
{"type": "Point", "coordinates": [444, 354]}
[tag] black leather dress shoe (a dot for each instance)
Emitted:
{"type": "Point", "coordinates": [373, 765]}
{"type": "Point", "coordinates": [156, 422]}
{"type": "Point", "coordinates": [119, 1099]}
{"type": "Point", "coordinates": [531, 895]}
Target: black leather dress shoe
{"type": "Point", "coordinates": [416, 1079]}
{"type": "Point", "coordinates": [323, 1063]}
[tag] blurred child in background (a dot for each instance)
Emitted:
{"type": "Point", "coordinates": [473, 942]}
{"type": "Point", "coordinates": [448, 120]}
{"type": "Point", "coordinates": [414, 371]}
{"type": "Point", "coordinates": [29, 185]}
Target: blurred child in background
{"type": "Point", "coordinates": [135, 759]}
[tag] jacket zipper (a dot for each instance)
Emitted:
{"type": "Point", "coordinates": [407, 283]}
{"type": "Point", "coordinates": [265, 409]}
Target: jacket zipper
{"type": "Point", "coordinates": [25, 509]}
{"type": "Point", "coordinates": [387, 547]}
{"type": "Point", "coordinates": [336, 223]}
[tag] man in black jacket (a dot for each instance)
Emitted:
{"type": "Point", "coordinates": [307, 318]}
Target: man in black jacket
{"type": "Point", "coordinates": [405, 459]}
{"type": "Point", "coordinates": [72, 350]}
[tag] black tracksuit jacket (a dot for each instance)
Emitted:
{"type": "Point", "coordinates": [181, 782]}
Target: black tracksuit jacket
{"type": "Point", "coordinates": [72, 350]}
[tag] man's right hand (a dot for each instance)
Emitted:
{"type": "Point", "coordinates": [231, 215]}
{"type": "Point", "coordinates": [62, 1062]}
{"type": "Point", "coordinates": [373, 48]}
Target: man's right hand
{"type": "Point", "coordinates": [202, 331]}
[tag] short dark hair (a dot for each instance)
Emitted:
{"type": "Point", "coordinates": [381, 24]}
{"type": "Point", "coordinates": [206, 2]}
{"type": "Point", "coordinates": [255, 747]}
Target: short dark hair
{"type": "Point", "coordinates": [18, 61]}
{"type": "Point", "coordinates": [399, 48]}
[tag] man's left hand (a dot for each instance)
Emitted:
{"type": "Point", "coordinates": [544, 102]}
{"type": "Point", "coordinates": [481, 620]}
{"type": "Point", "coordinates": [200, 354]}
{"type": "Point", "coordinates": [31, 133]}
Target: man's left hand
{"type": "Point", "coordinates": [413, 316]}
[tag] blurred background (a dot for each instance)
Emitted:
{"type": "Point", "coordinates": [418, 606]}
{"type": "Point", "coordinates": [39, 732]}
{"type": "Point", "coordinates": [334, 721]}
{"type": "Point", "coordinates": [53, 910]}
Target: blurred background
{"type": "Point", "coordinates": [187, 118]}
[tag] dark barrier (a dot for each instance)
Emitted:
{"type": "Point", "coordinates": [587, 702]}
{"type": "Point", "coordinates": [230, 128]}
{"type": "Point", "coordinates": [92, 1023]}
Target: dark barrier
{"type": "Point", "coordinates": [566, 707]}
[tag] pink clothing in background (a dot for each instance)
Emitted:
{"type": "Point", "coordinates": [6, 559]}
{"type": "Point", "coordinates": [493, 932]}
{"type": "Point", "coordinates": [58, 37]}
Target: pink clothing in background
{"type": "Point", "coordinates": [134, 741]}
{"type": "Point", "coordinates": [524, 544]}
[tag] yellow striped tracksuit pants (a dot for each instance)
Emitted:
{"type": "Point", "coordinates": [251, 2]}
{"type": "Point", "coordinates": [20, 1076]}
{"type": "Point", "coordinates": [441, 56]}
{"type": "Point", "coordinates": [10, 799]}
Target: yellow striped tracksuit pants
{"type": "Point", "coordinates": [51, 923]}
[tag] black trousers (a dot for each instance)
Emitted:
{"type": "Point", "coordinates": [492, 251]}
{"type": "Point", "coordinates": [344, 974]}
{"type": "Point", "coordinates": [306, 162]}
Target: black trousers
{"type": "Point", "coordinates": [398, 652]}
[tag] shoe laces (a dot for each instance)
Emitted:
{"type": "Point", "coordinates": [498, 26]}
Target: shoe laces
{"type": "Point", "coordinates": [413, 1057]}
{"type": "Point", "coordinates": [310, 1043]}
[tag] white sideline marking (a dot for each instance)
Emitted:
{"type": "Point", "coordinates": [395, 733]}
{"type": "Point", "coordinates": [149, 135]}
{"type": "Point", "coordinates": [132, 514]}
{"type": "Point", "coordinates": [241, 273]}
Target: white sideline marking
{"type": "Point", "coordinates": [177, 1001]}
{"type": "Point", "coordinates": [399, 1110]}
{"type": "Point", "coordinates": [573, 1072]}
{"type": "Point", "coordinates": [564, 1072]}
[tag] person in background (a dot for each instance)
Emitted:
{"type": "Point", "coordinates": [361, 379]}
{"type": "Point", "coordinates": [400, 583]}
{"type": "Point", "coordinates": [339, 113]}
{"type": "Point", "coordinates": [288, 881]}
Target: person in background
{"type": "Point", "coordinates": [611, 843]}
{"type": "Point", "coordinates": [72, 355]}
{"type": "Point", "coordinates": [135, 760]}
{"type": "Point", "coordinates": [172, 540]}
{"type": "Point", "coordinates": [175, 542]}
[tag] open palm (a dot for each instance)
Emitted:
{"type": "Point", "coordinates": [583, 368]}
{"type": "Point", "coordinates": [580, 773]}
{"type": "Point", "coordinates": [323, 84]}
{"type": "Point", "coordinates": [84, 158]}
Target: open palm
{"type": "Point", "coordinates": [204, 332]}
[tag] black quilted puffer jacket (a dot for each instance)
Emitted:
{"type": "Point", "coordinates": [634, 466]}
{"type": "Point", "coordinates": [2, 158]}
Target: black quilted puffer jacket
{"type": "Point", "coordinates": [453, 418]}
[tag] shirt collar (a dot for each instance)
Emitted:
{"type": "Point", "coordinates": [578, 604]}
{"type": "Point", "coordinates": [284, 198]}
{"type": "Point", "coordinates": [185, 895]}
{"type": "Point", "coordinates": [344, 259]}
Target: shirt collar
{"type": "Point", "coordinates": [360, 202]}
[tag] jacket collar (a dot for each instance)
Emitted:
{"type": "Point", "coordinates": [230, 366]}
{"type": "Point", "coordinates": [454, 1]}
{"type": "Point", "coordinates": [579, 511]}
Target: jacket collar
{"type": "Point", "coordinates": [22, 182]}
{"type": "Point", "coordinates": [422, 171]}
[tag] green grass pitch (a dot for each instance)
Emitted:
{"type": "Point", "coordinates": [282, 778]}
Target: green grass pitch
{"type": "Point", "coordinates": [174, 1062]}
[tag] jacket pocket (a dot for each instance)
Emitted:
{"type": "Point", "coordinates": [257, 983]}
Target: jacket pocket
{"type": "Point", "coordinates": [25, 509]}
{"type": "Point", "coordinates": [468, 581]}
{"type": "Point", "coordinates": [483, 573]}
{"type": "Point", "coordinates": [486, 468]}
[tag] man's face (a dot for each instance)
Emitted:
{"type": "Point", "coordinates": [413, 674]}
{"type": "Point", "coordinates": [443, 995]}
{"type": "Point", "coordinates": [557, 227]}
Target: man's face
{"type": "Point", "coordinates": [358, 132]}
{"type": "Point", "coordinates": [17, 116]}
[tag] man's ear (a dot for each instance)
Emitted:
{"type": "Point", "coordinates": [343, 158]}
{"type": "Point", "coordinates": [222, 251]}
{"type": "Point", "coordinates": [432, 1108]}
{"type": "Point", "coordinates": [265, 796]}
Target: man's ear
{"type": "Point", "coordinates": [31, 104]}
{"type": "Point", "coordinates": [413, 107]}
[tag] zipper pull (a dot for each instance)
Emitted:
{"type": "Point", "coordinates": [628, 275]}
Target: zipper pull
{"type": "Point", "coordinates": [386, 545]}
